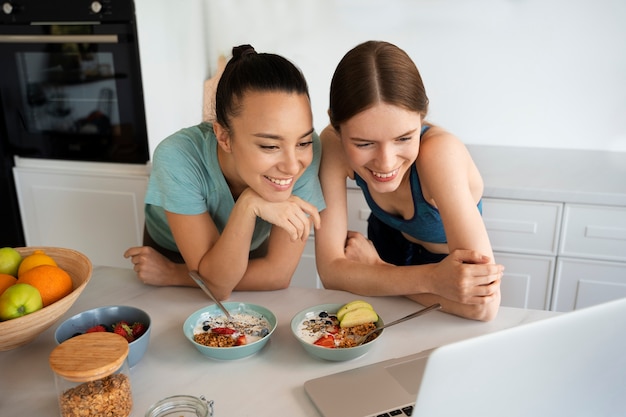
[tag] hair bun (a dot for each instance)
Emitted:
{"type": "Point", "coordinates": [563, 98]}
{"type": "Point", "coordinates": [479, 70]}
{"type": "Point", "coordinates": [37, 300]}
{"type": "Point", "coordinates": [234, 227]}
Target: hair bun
{"type": "Point", "coordinates": [243, 50]}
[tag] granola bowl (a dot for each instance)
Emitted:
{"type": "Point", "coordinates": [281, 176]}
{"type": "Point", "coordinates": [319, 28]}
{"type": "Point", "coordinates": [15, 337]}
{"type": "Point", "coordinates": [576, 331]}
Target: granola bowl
{"type": "Point", "coordinates": [313, 323]}
{"type": "Point", "coordinates": [214, 336]}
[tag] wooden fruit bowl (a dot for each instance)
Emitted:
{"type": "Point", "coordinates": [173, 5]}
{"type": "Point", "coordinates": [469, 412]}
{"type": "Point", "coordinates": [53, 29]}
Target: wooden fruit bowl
{"type": "Point", "coordinates": [22, 330]}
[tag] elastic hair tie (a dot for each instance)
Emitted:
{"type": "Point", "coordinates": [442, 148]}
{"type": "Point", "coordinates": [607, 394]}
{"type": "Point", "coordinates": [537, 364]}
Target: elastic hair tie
{"type": "Point", "coordinates": [249, 51]}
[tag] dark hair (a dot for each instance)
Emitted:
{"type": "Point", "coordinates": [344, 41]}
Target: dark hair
{"type": "Point", "coordinates": [248, 71]}
{"type": "Point", "coordinates": [375, 72]}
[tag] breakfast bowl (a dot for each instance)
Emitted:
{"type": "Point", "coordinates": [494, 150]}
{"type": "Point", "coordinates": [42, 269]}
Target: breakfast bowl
{"type": "Point", "coordinates": [107, 317]}
{"type": "Point", "coordinates": [22, 330]}
{"type": "Point", "coordinates": [216, 337]}
{"type": "Point", "coordinates": [316, 323]}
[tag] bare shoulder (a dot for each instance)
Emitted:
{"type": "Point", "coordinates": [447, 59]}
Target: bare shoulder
{"type": "Point", "coordinates": [438, 146]}
{"type": "Point", "coordinates": [333, 154]}
{"type": "Point", "coordinates": [330, 137]}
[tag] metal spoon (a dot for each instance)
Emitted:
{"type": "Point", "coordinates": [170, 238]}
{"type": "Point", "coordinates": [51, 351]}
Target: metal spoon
{"type": "Point", "coordinates": [196, 277]}
{"type": "Point", "coordinates": [405, 318]}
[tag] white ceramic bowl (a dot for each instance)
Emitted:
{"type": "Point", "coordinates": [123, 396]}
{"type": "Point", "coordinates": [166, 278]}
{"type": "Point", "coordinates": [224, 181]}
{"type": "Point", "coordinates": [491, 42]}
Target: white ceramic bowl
{"type": "Point", "coordinates": [108, 315]}
{"type": "Point", "coordinates": [232, 352]}
{"type": "Point", "coordinates": [329, 354]}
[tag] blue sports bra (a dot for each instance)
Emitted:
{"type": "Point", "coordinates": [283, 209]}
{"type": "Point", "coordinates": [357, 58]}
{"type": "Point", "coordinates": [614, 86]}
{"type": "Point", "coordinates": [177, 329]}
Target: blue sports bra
{"type": "Point", "coordinates": [426, 224]}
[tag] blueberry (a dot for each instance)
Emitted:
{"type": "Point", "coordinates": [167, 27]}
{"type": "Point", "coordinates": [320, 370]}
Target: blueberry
{"type": "Point", "coordinates": [323, 314]}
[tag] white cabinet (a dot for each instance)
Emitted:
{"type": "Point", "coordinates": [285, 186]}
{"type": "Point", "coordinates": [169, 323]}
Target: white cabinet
{"type": "Point", "coordinates": [524, 237]}
{"type": "Point", "coordinates": [591, 267]}
{"type": "Point", "coordinates": [358, 211]}
{"type": "Point", "coordinates": [306, 273]}
{"type": "Point", "coordinates": [597, 232]}
{"type": "Point", "coordinates": [97, 209]}
{"type": "Point", "coordinates": [527, 280]}
{"type": "Point", "coordinates": [557, 261]}
{"type": "Point", "coordinates": [581, 283]}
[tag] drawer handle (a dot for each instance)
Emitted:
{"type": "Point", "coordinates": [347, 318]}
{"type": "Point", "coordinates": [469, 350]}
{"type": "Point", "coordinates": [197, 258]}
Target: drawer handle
{"type": "Point", "coordinates": [511, 226]}
{"type": "Point", "coordinates": [599, 232]}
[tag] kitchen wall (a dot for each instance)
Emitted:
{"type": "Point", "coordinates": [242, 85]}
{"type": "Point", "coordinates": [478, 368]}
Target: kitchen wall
{"type": "Point", "coordinates": [545, 73]}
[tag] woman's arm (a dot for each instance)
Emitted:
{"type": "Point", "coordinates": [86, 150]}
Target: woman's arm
{"type": "Point", "coordinates": [454, 279]}
{"type": "Point", "coordinates": [223, 259]}
{"type": "Point", "coordinates": [451, 182]}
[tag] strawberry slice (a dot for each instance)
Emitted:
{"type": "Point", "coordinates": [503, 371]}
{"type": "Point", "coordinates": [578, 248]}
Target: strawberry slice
{"type": "Point", "coordinates": [332, 329]}
{"type": "Point", "coordinates": [327, 341]}
{"type": "Point", "coordinates": [138, 329]}
{"type": "Point", "coordinates": [241, 340]}
{"type": "Point", "coordinates": [123, 329]}
{"type": "Point", "coordinates": [222, 330]}
{"type": "Point", "coordinates": [98, 328]}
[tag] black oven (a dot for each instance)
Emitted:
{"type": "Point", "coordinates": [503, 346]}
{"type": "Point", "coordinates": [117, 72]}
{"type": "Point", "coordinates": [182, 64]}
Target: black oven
{"type": "Point", "coordinates": [70, 83]}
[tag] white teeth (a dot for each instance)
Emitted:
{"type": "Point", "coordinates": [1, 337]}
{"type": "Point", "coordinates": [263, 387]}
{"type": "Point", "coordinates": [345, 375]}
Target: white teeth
{"type": "Point", "coordinates": [280, 182]}
{"type": "Point", "coordinates": [385, 175]}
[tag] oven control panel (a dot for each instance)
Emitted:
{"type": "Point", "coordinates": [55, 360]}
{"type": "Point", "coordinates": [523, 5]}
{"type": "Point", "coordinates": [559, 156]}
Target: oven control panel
{"type": "Point", "coordinates": [68, 11]}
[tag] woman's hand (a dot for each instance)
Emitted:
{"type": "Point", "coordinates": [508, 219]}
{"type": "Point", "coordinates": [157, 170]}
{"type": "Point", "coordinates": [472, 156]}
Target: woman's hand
{"type": "Point", "coordinates": [361, 249]}
{"type": "Point", "coordinates": [293, 215]}
{"type": "Point", "coordinates": [467, 277]}
{"type": "Point", "coordinates": [155, 269]}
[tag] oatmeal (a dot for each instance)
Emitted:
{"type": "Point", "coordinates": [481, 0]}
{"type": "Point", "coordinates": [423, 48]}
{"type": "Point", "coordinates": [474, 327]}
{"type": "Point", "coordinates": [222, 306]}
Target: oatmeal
{"type": "Point", "coordinates": [220, 332]}
{"type": "Point", "coordinates": [323, 329]}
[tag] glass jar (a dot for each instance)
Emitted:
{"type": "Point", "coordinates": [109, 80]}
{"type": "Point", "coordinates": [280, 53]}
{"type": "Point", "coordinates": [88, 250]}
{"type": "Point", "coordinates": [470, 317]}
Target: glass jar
{"type": "Point", "coordinates": [182, 406]}
{"type": "Point", "coordinates": [92, 376]}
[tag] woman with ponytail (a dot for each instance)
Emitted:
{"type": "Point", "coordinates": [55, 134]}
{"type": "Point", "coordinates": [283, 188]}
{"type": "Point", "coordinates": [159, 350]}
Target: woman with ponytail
{"type": "Point", "coordinates": [235, 199]}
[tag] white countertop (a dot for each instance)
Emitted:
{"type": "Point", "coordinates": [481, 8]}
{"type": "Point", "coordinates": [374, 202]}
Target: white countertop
{"type": "Point", "coordinates": [269, 383]}
{"type": "Point", "coordinates": [556, 175]}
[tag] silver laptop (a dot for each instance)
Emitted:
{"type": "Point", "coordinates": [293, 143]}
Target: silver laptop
{"type": "Point", "coordinates": [573, 364]}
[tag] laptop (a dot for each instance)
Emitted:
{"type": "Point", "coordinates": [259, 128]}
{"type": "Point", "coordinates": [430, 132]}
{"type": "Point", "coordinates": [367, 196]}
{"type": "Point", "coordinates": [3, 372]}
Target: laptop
{"type": "Point", "coordinates": [573, 364]}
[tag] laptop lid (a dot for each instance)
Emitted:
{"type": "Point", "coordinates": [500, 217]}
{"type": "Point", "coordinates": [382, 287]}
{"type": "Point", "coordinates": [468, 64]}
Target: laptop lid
{"type": "Point", "coordinates": [573, 364]}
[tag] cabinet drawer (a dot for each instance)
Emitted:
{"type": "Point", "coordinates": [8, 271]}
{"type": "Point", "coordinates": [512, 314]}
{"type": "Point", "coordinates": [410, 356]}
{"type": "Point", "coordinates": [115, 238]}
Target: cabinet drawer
{"type": "Point", "coordinates": [594, 231]}
{"type": "Point", "coordinates": [522, 226]}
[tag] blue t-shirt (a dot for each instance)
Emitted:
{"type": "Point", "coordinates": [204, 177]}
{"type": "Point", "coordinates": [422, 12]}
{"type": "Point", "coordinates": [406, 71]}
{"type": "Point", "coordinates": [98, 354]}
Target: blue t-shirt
{"type": "Point", "coordinates": [426, 224]}
{"type": "Point", "coordinates": [186, 178]}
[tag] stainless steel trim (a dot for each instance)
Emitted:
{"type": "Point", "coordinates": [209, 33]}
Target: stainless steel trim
{"type": "Point", "coordinates": [59, 39]}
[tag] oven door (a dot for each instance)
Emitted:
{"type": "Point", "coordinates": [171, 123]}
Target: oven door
{"type": "Point", "coordinates": [73, 91]}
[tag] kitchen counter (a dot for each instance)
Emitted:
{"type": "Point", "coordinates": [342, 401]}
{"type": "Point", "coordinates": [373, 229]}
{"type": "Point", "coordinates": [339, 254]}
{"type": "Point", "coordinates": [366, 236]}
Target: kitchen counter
{"type": "Point", "coordinates": [555, 175]}
{"type": "Point", "coordinates": [269, 383]}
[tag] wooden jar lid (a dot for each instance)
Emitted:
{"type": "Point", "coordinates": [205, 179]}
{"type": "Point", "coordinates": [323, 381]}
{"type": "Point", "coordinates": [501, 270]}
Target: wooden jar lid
{"type": "Point", "coordinates": [89, 356]}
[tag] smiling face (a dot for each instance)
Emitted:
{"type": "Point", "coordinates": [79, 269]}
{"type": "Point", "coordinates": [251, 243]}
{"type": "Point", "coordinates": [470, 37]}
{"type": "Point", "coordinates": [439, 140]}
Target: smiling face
{"type": "Point", "coordinates": [381, 143]}
{"type": "Point", "coordinates": [270, 144]}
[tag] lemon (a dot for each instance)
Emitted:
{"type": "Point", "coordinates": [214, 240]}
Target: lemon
{"type": "Point", "coordinates": [37, 258]}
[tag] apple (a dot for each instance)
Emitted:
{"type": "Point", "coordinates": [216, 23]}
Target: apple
{"type": "Point", "coordinates": [10, 260]}
{"type": "Point", "coordinates": [19, 300]}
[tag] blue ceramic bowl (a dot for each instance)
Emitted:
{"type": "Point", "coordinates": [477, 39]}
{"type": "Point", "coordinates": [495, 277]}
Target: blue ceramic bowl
{"type": "Point", "coordinates": [330, 354]}
{"type": "Point", "coordinates": [108, 315]}
{"type": "Point", "coordinates": [233, 352]}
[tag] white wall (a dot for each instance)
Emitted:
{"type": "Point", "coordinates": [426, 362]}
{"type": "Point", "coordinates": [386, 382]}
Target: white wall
{"type": "Point", "coordinates": [545, 73]}
{"type": "Point", "coordinates": [173, 50]}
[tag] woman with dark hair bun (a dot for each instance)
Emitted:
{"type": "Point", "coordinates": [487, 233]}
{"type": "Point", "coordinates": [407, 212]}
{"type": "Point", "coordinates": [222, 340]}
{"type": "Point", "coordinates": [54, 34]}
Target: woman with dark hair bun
{"type": "Point", "coordinates": [235, 199]}
{"type": "Point", "coordinates": [426, 238]}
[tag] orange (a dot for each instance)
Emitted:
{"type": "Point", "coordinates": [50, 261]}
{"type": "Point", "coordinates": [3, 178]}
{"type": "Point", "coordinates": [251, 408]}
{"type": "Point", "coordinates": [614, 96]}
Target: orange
{"type": "Point", "coordinates": [52, 282]}
{"type": "Point", "coordinates": [6, 281]}
{"type": "Point", "coordinates": [36, 258]}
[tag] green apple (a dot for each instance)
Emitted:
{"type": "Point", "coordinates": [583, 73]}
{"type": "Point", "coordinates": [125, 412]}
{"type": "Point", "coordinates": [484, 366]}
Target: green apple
{"type": "Point", "coordinates": [10, 260]}
{"type": "Point", "coordinates": [19, 300]}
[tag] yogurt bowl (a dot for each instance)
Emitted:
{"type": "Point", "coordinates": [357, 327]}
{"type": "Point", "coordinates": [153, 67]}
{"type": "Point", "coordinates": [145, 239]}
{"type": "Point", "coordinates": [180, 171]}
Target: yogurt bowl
{"type": "Point", "coordinates": [302, 330]}
{"type": "Point", "coordinates": [214, 336]}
